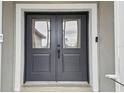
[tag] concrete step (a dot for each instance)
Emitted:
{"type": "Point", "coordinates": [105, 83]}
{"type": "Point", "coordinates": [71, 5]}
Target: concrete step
{"type": "Point", "coordinates": [56, 87]}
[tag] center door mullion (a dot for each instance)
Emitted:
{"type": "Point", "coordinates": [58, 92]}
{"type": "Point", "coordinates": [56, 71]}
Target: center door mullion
{"type": "Point", "coordinates": [60, 44]}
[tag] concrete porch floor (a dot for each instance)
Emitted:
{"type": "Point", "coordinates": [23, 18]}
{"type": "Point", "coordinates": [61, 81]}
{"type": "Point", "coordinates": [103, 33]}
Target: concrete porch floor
{"type": "Point", "coordinates": [56, 87]}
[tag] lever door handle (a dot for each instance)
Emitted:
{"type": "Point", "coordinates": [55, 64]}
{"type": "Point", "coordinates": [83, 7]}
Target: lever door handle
{"type": "Point", "coordinates": [58, 50]}
{"type": "Point", "coordinates": [58, 53]}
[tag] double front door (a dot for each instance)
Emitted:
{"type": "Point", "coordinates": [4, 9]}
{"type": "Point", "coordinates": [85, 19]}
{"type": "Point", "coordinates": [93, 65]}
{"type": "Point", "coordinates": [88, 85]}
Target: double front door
{"type": "Point", "coordinates": [56, 47]}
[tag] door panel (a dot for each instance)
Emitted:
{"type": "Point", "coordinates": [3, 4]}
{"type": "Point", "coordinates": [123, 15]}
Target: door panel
{"type": "Point", "coordinates": [41, 63]}
{"type": "Point", "coordinates": [72, 64]}
{"type": "Point", "coordinates": [56, 47]}
{"type": "Point", "coordinates": [40, 54]}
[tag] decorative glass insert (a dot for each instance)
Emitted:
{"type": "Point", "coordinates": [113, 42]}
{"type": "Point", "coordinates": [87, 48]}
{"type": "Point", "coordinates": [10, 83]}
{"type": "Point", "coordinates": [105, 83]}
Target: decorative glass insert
{"type": "Point", "coordinates": [41, 33]}
{"type": "Point", "coordinates": [71, 33]}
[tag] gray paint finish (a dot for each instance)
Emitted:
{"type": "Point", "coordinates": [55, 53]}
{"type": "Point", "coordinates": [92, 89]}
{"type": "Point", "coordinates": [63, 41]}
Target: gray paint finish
{"type": "Point", "coordinates": [106, 45]}
{"type": "Point", "coordinates": [69, 64]}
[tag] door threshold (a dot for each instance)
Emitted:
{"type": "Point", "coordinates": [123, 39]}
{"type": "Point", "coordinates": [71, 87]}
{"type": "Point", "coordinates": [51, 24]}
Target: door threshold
{"type": "Point", "coordinates": [58, 83]}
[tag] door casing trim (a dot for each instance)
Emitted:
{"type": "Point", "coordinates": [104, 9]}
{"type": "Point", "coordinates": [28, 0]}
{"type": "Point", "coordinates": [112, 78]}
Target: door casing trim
{"type": "Point", "coordinates": [19, 37]}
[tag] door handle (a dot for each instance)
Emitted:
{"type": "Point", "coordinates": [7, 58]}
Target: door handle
{"type": "Point", "coordinates": [58, 50]}
{"type": "Point", "coordinates": [58, 53]}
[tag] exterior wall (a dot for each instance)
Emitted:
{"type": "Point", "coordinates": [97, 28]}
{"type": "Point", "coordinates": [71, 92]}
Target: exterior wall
{"type": "Point", "coordinates": [8, 47]}
{"type": "Point", "coordinates": [106, 45]}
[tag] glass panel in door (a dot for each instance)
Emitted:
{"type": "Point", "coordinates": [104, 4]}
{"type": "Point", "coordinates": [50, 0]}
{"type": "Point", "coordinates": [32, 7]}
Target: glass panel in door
{"type": "Point", "coordinates": [71, 33]}
{"type": "Point", "coordinates": [41, 33]}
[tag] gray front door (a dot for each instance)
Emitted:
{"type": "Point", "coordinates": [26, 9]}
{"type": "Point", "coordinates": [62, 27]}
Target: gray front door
{"type": "Point", "coordinates": [56, 46]}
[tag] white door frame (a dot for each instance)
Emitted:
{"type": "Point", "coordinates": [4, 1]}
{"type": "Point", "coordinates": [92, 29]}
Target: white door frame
{"type": "Point", "coordinates": [19, 53]}
{"type": "Point", "coordinates": [119, 44]}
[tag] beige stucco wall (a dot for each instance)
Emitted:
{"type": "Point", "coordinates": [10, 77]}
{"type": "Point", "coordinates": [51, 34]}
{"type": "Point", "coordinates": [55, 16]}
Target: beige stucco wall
{"type": "Point", "coordinates": [8, 47]}
{"type": "Point", "coordinates": [105, 46]}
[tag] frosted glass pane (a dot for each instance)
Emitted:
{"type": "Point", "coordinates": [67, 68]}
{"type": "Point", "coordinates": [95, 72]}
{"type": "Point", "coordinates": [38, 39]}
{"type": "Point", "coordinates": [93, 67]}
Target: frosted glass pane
{"type": "Point", "coordinates": [71, 33]}
{"type": "Point", "coordinates": [41, 33]}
